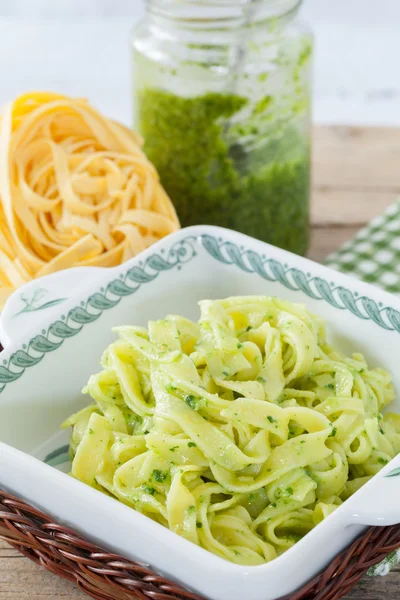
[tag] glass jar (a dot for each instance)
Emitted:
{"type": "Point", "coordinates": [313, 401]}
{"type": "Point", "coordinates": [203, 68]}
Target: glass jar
{"type": "Point", "coordinates": [222, 99]}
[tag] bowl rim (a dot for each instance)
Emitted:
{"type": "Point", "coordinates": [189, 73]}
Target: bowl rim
{"type": "Point", "coordinates": [292, 271]}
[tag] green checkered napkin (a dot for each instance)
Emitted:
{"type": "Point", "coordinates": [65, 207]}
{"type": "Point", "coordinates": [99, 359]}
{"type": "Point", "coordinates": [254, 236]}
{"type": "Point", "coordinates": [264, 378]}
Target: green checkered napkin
{"type": "Point", "coordinates": [374, 256]}
{"type": "Point", "coordinates": [374, 253]}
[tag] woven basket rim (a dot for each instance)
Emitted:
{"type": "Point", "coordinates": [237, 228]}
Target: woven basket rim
{"type": "Point", "coordinates": [104, 575]}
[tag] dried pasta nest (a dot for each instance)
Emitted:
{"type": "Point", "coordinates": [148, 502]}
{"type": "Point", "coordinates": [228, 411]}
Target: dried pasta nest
{"type": "Point", "coordinates": [75, 189]}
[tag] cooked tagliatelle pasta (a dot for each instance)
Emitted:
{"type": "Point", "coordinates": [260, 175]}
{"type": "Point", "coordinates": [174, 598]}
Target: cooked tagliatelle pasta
{"type": "Point", "coordinates": [240, 432]}
{"type": "Point", "coordinates": [75, 189]}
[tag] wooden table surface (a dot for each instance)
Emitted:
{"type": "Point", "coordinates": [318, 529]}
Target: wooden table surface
{"type": "Point", "coordinates": [356, 175]}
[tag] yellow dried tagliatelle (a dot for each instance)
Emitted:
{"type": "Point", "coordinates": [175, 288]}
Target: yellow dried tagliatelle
{"type": "Point", "coordinates": [240, 432]}
{"type": "Point", "coordinates": [75, 189]}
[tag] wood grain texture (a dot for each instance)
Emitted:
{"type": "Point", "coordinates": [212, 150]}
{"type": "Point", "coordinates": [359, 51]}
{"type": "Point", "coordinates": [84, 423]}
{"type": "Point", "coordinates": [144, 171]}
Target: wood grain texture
{"type": "Point", "coordinates": [21, 579]}
{"type": "Point", "coordinates": [357, 158]}
{"type": "Point", "coordinates": [325, 240]}
{"type": "Point", "coordinates": [333, 206]}
{"type": "Point", "coordinates": [355, 176]}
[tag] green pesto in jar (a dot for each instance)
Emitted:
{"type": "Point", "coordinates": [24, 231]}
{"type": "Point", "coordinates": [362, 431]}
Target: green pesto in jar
{"type": "Point", "coordinates": [263, 192]}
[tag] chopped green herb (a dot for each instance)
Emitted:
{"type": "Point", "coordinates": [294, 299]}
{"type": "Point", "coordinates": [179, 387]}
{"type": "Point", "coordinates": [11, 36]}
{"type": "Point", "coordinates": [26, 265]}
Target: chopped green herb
{"type": "Point", "coordinates": [334, 432]}
{"type": "Point", "coordinates": [173, 448]}
{"type": "Point", "coordinates": [191, 401]}
{"type": "Point", "coordinates": [261, 379]}
{"type": "Point", "coordinates": [248, 328]}
{"type": "Point", "coordinates": [239, 346]}
{"type": "Point", "coordinates": [330, 386]}
{"type": "Point", "coordinates": [170, 388]}
{"type": "Point", "coordinates": [148, 489]}
{"type": "Point", "coordinates": [191, 445]}
{"type": "Point", "coordinates": [159, 476]}
{"type": "Point", "coordinates": [263, 104]}
{"type": "Point", "coordinates": [382, 461]}
{"type": "Point", "coordinates": [90, 431]}
{"type": "Point", "coordinates": [191, 509]}
{"type": "Point", "coordinates": [226, 373]}
{"type": "Point", "coordinates": [199, 525]}
{"type": "Point", "coordinates": [271, 419]}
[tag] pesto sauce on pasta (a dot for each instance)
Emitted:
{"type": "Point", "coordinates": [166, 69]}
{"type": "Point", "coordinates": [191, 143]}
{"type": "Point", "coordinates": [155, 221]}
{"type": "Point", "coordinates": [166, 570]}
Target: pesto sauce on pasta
{"type": "Point", "coordinates": [240, 432]}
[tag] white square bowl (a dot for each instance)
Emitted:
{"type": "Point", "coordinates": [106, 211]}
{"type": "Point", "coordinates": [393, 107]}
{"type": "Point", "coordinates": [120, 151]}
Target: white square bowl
{"type": "Point", "coordinates": [55, 330]}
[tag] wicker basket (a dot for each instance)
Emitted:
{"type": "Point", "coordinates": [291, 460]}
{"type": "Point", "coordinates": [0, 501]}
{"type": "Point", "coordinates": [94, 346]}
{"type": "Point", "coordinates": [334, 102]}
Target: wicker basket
{"type": "Point", "coordinates": [106, 576]}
